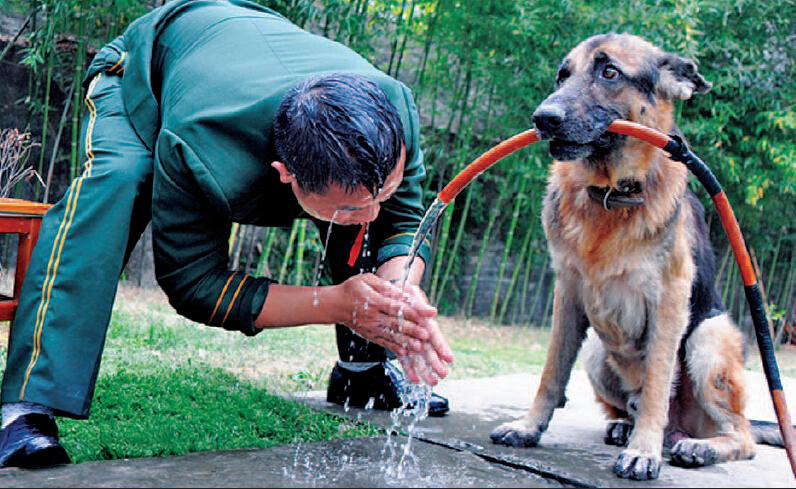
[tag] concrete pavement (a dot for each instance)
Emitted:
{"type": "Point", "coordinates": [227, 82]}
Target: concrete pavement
{"type": "Point", "coordinates": [572, 450]}
{"type": "Point", "coordinates": [453, 451]}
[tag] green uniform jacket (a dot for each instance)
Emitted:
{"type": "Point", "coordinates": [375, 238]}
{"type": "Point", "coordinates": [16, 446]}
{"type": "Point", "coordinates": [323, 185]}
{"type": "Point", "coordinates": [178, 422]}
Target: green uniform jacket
{"type": "Point", "coordinates": [202, 82]}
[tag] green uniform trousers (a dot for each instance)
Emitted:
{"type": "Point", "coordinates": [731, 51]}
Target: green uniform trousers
{"type": "Point", "coordinates": [59, 330]}
{"type": "Point", "coordinates": [65, 305]}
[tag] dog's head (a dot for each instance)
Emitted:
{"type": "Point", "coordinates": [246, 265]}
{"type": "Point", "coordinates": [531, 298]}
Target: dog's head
{"type": "Point", "coordinates": [609, 77]}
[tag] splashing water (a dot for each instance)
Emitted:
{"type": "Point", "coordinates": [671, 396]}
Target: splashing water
{"type": "Point", "coordinates": [426, 225]}
{"type": "Point", "coordinates": [415, 398]}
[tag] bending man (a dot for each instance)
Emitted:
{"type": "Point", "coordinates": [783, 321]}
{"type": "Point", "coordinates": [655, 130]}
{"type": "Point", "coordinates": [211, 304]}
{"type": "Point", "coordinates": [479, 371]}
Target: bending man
{"type": "Point", "coordinates": [204, 113]}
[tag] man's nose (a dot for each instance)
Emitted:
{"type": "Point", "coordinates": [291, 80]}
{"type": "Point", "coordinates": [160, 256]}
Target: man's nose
{"type": "Point", "coordinates": [367, 215]}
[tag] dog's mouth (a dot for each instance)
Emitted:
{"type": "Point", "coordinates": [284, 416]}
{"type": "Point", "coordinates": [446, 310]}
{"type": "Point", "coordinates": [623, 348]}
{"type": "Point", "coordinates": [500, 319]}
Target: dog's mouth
{"type": "Point", "coordinates": [566, 150]}
{"type": "Point", "coordinates": [628, 193]}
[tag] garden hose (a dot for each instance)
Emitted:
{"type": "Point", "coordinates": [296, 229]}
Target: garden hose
{"type": "Point", "coordinates": [678, 151]}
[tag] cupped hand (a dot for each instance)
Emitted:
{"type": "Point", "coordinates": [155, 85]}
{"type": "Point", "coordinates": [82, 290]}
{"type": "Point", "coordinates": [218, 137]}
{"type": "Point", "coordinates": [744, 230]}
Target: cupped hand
{"type": "Point", "coordinates": [380, 312]}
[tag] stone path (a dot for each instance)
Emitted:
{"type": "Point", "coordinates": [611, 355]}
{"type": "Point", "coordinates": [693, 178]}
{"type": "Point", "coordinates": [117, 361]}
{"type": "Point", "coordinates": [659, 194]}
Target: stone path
{"type": "Point", "coordinates": [572, 450]}
{"type": "Point", "coordinates": [453, 451]}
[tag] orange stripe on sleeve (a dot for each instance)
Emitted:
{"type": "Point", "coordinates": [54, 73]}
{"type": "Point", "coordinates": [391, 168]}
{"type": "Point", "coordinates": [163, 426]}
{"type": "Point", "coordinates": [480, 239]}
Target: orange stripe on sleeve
{"type": "Point", "coordinates": [221, 297]}
{"type": "Point", "coordinates": [234, 298]}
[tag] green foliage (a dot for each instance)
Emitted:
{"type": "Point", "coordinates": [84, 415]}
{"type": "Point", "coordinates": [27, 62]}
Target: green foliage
{"type": "Point", "coordinates": [478, 70]}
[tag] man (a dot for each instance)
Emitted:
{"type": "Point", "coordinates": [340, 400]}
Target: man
{"type": "Point", "coordinates": [202, 114]}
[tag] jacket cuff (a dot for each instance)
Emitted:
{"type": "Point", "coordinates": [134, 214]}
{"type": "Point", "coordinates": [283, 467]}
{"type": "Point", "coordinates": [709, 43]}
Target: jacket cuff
{"type": "Point", "coordinates": [248, 306]}
{"type": "Point", "coordinates": [401, 245]}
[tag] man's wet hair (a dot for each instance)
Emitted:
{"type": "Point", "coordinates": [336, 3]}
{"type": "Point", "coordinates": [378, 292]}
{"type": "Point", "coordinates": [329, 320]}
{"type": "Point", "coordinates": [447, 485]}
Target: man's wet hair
{"type": "Point", "coordinates": [338, 128]}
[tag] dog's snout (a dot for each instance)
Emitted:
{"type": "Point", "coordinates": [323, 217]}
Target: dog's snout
{"type": "Point", "coordinates": [548, 118]}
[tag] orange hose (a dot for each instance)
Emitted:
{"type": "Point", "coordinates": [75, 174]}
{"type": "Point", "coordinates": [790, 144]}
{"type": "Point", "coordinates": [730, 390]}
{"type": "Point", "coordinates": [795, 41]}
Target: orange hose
{"type": "Point", "coordinates": [652, 136]}
{"type": "Point", "coordinates": [485, 161]}
{"type": "Point", "coordinates": [526, 138]}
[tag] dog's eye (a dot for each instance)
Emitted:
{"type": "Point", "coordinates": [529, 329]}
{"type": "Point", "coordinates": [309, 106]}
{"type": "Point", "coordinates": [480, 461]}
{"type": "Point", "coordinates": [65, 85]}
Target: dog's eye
{"type": "Point", "coordinates": [562, 75]}
{"type": "Point", "coordinates": [610, 73]}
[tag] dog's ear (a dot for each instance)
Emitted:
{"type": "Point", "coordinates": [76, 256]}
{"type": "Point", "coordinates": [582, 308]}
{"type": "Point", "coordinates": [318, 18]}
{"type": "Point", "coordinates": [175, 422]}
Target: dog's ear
{"type": "Point", "coordinates": [679, 78]}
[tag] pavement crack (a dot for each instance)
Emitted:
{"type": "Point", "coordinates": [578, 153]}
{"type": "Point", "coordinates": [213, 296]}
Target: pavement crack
{"type": "Point", "coordinates": [544, 472]}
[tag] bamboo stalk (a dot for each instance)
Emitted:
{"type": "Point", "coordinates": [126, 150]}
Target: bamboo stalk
{"type": "Point", "coordinates": [772, 267]}
{"type": "Point", "coordinates": [539, 286]}
{"type": "Point", "coordinates": [46, 116]}
{"type": "Point", "coordinates": [16, 36]}
{"type": "Point", "coordinates": [300, 245]}
{"type": "Point", "coordinates": [288, 252]}
{"type": "Point", "coordinates": [548, 304]}
{"type": "Point", "coordinates": [453, 252]}
{"type": "Point", "coordinates": [80, 56]}
{"type": "Point", "coordinates": [57, 141]}
{"type": "Point", "coordinates": [398, 26]}
{"type": "Point", "coordinates": [515, 274]}
{"type": "Point", "coordinates": [419, 78]}
{"type": "Point", "coordinates": [456, 243]}
{"type": "Point", "coordinates": [262, 263]}
{"type": "Point", "coordinates": [727, 285]}
{"type": "Point", "coordinates": [441, 247]}
{"type": "Point", "coordinates": [519, 201]}
{"type": "Point", "coordinates": [406, 37]}
{"type": "Point", "coordinates": [762, 292]}
{"type": "Point", "coordinates": [470, 298]}
{"type": "Point", "coordinates": [789, 305]}
{"type": "Point", "coordinates": [723, 265]}
{"type": "Point", "coordinates": [250, 249]}
{"type": "Point", "coordinates": [233, 236]}
{"type": "Point", "coordinates": [790, 278]}
{"type": "Point", "coordinates": [526, 280]}
{"type": "Point", "coordinates": [238, 246]}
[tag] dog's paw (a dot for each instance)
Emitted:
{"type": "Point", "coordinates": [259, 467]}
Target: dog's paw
{"type": "Point", "coordinates": [637, 465]}
{"type": "Point", "coordinates": [691, 453]}
{"type": "Point", "coordinates": [516, 434]}
{"type": "Point", "coordinates": [618, 433]}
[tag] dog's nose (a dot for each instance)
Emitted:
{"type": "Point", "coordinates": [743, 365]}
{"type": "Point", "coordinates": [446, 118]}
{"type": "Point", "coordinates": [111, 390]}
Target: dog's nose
{"type": "Point", "coordinates": [548, 118]}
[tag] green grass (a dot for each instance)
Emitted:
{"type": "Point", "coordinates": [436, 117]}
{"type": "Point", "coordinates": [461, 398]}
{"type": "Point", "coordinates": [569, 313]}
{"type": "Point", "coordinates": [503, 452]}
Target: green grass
{"type": "Point", "coordinates": [161, 412]}
{"type": "Point", "coordinates": [168, 386]}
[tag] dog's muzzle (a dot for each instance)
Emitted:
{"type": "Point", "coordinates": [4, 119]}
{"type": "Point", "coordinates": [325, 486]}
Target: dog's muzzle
{"type": "Point", "coordinates": [627, 195]}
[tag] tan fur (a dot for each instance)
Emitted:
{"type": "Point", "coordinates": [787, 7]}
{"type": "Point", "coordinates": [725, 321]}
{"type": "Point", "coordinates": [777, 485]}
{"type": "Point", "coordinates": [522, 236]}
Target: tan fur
{"type": "Point", "coordinates": [618, 267]}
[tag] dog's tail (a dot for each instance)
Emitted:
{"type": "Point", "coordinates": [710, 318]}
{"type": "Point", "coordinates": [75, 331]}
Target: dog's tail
{"type": "Point", "coordinates": [767, 433]}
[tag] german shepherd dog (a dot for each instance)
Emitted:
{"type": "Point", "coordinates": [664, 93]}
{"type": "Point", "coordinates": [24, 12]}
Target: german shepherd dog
{"type": "Point", "coordinates": [632, 258]}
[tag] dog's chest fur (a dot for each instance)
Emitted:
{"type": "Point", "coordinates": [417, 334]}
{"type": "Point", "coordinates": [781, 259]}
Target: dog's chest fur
{"type": "Point", "coordinates": [614, 262]}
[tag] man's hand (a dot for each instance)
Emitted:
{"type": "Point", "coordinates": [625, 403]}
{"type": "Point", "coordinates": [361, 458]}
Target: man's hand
{"type": "Point", "coordinates": [428, 365]}
{"type": "Point", "coordinates": [378, 311]}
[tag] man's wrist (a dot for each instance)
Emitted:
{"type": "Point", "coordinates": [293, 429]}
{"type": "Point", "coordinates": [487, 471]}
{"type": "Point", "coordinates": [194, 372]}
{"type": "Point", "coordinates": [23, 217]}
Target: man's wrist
{"type": "Point", "coordinates": [331, 296]}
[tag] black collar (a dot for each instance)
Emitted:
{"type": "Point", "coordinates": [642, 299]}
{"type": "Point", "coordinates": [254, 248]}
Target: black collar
{"type": "Point", "coordinates": [611, 198]}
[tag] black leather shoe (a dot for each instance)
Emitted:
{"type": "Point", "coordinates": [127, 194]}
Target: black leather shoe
{"type": "Point", "coordinates": [31, 442]}
{"type": "Point", "coordinates": [382, 383]}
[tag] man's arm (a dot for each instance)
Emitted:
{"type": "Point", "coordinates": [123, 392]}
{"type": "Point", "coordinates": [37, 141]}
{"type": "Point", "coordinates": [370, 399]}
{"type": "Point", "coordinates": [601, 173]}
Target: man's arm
{"type": "Point", "coordinates": [191, 257]}
{"type": "Point", "coordinates": [190, 232]}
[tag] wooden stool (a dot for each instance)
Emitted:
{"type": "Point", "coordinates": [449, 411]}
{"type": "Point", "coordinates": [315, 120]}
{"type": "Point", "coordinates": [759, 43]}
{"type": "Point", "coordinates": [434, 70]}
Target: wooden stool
{"type": "Point", "coordinates": [24, 218]}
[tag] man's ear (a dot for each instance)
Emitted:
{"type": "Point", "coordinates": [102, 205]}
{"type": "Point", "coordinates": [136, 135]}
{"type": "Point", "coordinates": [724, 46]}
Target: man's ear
{"type": "Point", "coordinates": [284, 174]}
{"type": "Point", "coordinates": [679, 78]}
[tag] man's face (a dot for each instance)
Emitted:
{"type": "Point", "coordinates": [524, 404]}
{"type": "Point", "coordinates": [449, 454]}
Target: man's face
{"type": "Point", "coordinates": [357, 207]}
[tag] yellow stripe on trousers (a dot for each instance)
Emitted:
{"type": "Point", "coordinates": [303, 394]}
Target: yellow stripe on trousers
{"type": "Point", "coordinates": [60, 237]}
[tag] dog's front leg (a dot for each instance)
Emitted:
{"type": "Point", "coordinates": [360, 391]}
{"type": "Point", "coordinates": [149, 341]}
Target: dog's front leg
{"type": "Point", "coordinates": [641, 460]}
{"type": "Point", "coordinates": [569, 330]}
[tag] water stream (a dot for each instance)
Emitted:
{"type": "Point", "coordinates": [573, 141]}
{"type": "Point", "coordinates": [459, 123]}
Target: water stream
{"type": "Point", "coordinates": [315, 301]}
{"type": "Point", "coordinates": [415, 398]}
{"type": "Point", "coordinates": [398, 460]}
